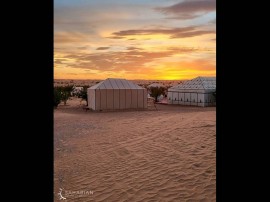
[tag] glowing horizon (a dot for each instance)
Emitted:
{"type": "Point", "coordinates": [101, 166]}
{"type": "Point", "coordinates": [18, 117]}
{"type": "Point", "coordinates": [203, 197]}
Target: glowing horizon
{"type": "Point", "coordinates": [142, 40]}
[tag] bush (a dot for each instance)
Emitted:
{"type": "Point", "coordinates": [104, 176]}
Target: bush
{"type": "Point", "coordinates": [57, 97]}
{"type": "Point", "coordinates": [62, 93]}
{"type": "Point", "coordinates": [156, 91]}
{"type": "Point", "coordinates": [83, 94]}
{"type": "Point", "coordinates": [66, 93]}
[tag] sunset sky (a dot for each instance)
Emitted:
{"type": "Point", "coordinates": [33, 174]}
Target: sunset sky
{"type": "Point", "coordinates": [134, 39]}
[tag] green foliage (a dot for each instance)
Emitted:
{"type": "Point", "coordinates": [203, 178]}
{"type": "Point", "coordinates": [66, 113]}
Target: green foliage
{"type": "Point", "coordinates": [57, 97]}
{"type": "Point", "coordinates": [62, 93]}
{"type": "Point", "coordinates": [156, 91]}
{"type": "Point", "coordinates": [83, 94]}
{"type": "Point", "coordinates": [66, 93]}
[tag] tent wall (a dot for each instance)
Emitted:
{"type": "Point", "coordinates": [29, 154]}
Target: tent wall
{"type": "Point", "coordinates": [145, 98]}
{"type": "Point", "coordinates": [209, 99]}
{"type": "Point", "coordinates": [134, 98]}
{"type": "Point", "coordinates": [175, 99]}
{"type": "Point", "coordinates": [114, 99]}
{"type": "Point", "coordinates": [91, 98]}
{"type": "Point", "coordinates": [194, 97]}
{"type": "Point", "coordinates": [128, 99]}
{"type": "Point", "coordinates": [201, 100]}
{"type": "Point", "coordinates": [169, 97]}
{"type": "Point", "coordinates": [140, 98]}
{"type": "Point", "coordinates": [109, 99]}
{"type": "Point", "coordinates": [98, 97]}
{"type": "Point", "coordinates": [181, 98]}
{"type": "Point", "coordinates": [191, 98]}
{"type": "Point", "coordinates": [122, 101]}
{"type": "Point", "coordinates": [187, 97]}
{"type": "Point", "coordinates": [103, 99]}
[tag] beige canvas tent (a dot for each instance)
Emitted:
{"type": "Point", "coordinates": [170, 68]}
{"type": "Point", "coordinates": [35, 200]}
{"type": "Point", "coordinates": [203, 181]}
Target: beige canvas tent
{"type": "Point", "coordinates": [116, 94]}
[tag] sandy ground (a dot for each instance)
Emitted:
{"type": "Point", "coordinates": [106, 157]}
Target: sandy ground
{"type": "Point", "coordinates": [155, 155]}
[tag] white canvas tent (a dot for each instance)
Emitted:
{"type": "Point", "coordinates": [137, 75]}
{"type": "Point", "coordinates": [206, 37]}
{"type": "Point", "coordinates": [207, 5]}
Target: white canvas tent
{"type": "Point", "coordinates": [155, 85]}
{"type": "Point", "coordinates": [115, 94]}
{"type": "Point", "coordinates": [198, 92]}
{"type": "Point", "coordinates": [76, 90]}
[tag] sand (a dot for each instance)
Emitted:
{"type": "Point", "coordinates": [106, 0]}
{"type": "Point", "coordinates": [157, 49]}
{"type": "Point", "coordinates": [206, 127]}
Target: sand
{"type": "Point", "coordinates": [167, 154]}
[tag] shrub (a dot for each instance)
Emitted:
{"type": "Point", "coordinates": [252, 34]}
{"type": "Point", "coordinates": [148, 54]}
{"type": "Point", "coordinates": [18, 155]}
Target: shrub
{"type": "Point", "coordinates": [57, 97]}
{"type": "Point", "coordinates": [156, 91]}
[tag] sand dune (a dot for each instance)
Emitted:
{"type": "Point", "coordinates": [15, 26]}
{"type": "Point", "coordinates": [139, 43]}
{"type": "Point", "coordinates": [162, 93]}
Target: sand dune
{"type": "Point", "coordinates": [164, 155]}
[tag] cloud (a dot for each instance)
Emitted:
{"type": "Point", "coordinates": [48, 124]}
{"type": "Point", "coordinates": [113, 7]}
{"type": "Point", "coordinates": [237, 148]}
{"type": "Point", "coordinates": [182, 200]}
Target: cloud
{"type": "Point", "coordinates": [115, 37]}
{"type": "Point", "coordinates": [102, 48]}
{"type": "Point", "coordinates": [69, 37]}
{"type": "Point", "coordinates": [182, 49]}
{"type": "Point", "coordinates": [82, 48]}
{"type": "Point", "coordinates": [183, 32]}
{"type": "Point", "coordinates": [59, 61]}
{"type": "Point", "coordinates": [189, 9]}
{"type": "Point", "coordinates": [71, 74]}
{"type": "Point", "coordinates": [133, 48]}
{"type": "Point", "coordinates": [130, 60]}
{"type": "Point", "coordinates": [213, 21]}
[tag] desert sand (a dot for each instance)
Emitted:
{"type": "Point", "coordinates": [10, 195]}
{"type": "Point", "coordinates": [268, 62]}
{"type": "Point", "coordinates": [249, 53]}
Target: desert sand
{"type": "Point", "coordinates": [167, 154]}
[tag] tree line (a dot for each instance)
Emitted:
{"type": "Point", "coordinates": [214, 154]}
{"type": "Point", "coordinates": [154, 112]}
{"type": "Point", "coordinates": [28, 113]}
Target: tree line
{"type": "Point", "coordinates": [63, 93]}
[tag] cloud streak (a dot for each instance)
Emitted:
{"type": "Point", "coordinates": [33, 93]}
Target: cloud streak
{"type": "Point", "coordinates": [189, 9]}
{"type": "Point", "coordinates": [183, 32]}
{"type": "Point", "coordinates": [102, 48]}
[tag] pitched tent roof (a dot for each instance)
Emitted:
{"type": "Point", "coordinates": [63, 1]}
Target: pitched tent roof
{"type": "Point", "coordinates": [113, 83]}
{"type": "Point", "coordinates": [199, 83]}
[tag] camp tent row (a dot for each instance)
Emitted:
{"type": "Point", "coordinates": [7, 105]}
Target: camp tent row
{"type": "Point", "coordinates": [198, 92]}
{"type": "Point", "coordinates": [113, 94]}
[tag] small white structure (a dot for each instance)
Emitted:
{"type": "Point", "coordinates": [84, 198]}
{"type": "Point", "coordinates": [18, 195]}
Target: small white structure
{"type": "Point", "coordinates": [155, 85]}
{"type": "Point", "coordinates": [115, 94]}
{"type": "Point", "coordinates": [198, 92]}
{"type": "Point", "coordinates": [159, 98]}
{"type": "Point", "coordinates": [76, 90]}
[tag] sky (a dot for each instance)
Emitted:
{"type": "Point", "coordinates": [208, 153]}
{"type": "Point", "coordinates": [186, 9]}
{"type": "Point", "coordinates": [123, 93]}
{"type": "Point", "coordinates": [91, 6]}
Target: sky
{"type": "Point", "coordinates": [134, 39]}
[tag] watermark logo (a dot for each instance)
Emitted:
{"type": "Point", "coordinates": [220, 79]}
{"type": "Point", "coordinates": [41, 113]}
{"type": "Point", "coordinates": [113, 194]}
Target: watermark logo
{"type": "Point", "coordinates": [61, 197]}
{"type": "Point", "coordinates": [73, 194]}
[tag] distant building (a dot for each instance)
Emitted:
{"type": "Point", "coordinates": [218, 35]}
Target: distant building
{"type": "Point", "coordinates": [160, 97]}
{"type": "Point", "coordinates": [198, 92]}
{"type": "Point", "coordinates": [76, 90]}
{"type": "Point", "coordinates": [116, 94]}
{"type": "Point", "coordinates": [155, 85]}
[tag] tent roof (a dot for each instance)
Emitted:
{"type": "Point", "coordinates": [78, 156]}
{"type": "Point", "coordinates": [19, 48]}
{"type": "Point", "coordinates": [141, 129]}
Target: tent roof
{"type": "Point", "coordinates": [198, 83]}
{"type": "Point", "coordinates": [113, 83]}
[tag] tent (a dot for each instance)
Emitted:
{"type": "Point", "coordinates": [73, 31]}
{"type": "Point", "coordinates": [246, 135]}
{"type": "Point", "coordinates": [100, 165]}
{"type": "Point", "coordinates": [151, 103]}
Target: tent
{"type": "Point", "coordinates": [76, 90]}
{"type": "Point", "coordinates": [198, 92]}
{"type": "Point", "coordinates": [155, 85]}
{"type": "Point", "coordinates": [115, 94]}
